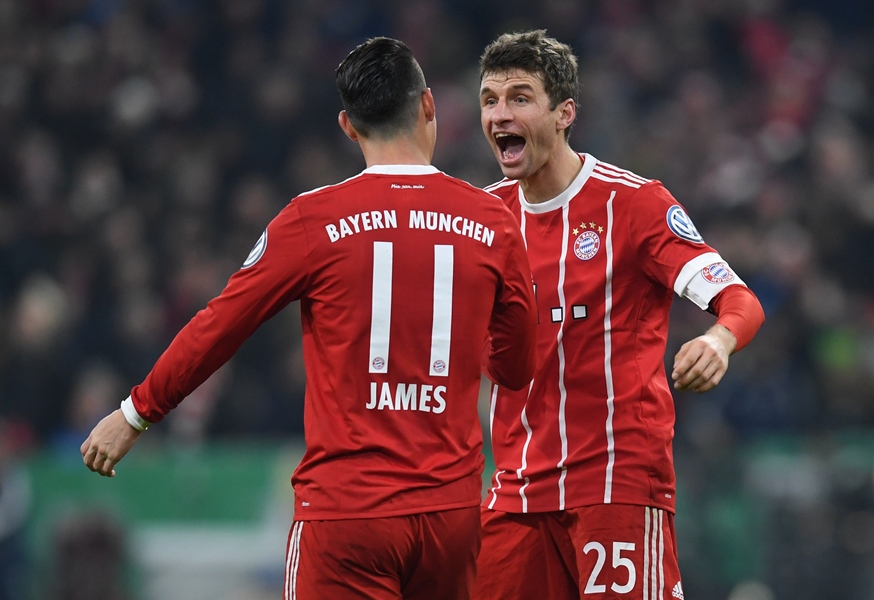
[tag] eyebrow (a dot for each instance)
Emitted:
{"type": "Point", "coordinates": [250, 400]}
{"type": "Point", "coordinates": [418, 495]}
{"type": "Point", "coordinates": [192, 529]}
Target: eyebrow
{"type": "Point", "coordinates": [516, 87]}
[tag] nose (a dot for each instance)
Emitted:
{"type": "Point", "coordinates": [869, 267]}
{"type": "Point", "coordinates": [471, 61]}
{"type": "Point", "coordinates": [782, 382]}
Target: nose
{"type": "Point", "coordinates": [500, 112]}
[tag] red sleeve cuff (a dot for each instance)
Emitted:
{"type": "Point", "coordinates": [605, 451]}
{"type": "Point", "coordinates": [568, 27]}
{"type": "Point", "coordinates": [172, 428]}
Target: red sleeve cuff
{"type": "Point", "coordinates": [146, 412]}
{"type": "Point", "coordinates": [739, 311]}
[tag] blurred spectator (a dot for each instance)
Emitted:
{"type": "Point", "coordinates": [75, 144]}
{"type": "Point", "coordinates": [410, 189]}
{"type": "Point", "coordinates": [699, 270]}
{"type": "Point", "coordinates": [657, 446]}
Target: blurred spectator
{"type": "Point", "coordinates": [95, 391]}
{"type": "Point", "coordinates": [15, 506]}
{"type": "Point", "coordinates": [90, 558]}
{"type": "Point", "coordinates": [151, 142]}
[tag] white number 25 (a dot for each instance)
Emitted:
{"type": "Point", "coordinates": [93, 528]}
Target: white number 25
{"type": "Point", "coordinates": [618, 561]}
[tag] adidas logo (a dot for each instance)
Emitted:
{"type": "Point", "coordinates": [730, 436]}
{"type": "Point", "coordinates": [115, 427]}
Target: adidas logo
{"type": "Point", "coordinates": [677, 592]}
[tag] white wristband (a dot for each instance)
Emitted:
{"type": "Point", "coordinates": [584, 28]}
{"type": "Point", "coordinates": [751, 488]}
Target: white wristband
{"type": "Point", "coordinates": [132, 416]}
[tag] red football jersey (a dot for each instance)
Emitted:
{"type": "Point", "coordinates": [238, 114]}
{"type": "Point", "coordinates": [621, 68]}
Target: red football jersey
{"type": "Point", "coordinates": [403, 274]}
{"type": "Point", "coordinates": [596, 424]}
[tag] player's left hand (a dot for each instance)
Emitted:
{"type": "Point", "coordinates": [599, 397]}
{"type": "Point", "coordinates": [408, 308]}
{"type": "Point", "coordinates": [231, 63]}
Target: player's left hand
{"type": "Point", "coordinates": [701, 363]}
{"type": "Point", "coordinates": [109, 441]}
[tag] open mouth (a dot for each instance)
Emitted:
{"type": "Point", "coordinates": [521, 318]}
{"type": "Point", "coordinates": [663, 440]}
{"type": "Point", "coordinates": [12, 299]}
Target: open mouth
{"type": "Point", "coordinates": [510, 145]}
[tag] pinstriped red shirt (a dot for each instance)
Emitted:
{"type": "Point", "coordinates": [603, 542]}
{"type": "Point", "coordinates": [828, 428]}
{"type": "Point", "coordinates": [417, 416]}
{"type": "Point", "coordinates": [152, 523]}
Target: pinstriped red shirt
{"type": "Point", "coordinates": [596, 424]}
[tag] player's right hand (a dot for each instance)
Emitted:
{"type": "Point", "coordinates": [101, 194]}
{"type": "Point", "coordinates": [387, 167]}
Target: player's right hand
{"type": "Point", "coordinates": [107, 444]}
{"type": "Point", "coordinates": [701, 363]}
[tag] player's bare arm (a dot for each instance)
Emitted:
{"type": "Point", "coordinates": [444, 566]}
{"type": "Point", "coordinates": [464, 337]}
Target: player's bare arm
{"type": "Point", "coordinates": [702, 362]}
{"type": "Point", "coordinates": [108, 442]}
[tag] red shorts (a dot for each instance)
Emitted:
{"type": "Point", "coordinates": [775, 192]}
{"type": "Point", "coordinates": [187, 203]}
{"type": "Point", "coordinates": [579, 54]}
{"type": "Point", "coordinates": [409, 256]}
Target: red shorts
{"type": "Point", "coordinates": [427, 556]}
{"type": "Point", "coordinates": [615, 551]}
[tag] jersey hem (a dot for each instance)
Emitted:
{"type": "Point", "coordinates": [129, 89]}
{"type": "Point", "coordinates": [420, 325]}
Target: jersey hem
{"type": "Point", "coordinates": [666, 507]}
{"type": "Point", "coordinates": [339, 516]}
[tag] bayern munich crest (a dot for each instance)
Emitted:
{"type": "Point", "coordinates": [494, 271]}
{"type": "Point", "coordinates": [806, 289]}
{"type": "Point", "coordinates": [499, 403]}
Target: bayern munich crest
{"type": "Point", "coordinates": [439, 366]}
{"type": "Point", "coordinates": [587, 245]}
{"type": "Point", "coordinates": [717, 273]}
{"type": "Point", "coordinates": [378, 363]}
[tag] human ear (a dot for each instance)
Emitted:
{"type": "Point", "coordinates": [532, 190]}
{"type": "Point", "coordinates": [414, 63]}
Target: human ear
{"type": "Point", "coordinates": [428, 104]}
{"type": "Point", "coordinates": [566, 114]}
{"type": "Point", "coordinates": [347, 126]}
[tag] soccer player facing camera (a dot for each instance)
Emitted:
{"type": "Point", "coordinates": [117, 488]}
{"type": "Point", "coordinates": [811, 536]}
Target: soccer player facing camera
{"type": "Point", "coordinates": [582, 500]}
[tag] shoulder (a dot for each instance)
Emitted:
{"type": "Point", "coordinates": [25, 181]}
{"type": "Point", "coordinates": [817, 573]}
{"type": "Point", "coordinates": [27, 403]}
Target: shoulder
{"type": "Point", "coordinates": [504, 189]}
{"type": "Point", "coordinates": [466, 187]}
{"type": "Point", "coordinates": [324, 190]}
{"type": "Point", "coordinates": [644, 201]}
{"type": "Point", "coordinates": [633, 191]}
{"type": "Point", "coordinates": [608, 173]}
{"type": "Point", "coordinates": [503, 186]}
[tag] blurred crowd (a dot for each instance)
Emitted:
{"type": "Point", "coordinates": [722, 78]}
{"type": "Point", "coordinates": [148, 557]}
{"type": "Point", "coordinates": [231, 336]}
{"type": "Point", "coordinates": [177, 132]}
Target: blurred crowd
{"type": "Point", "coordinates": [147, 143]}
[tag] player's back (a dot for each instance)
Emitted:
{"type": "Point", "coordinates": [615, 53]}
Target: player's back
{"type": "Point", "coordinates": [405, 268]}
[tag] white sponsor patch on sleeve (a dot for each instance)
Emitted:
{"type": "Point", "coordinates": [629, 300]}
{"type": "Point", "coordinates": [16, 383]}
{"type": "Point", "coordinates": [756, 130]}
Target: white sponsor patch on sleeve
{"type": "Point", "coordinates": [257, 251]}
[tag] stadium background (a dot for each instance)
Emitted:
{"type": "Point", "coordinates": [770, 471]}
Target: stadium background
{"type": "Point", "coordinates": [145, 144]}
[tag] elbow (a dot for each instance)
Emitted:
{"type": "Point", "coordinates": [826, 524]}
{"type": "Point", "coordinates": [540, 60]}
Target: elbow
{"type": "Point", "coordinates": [516, 383]}
{"type": "Point", "coordinates": [517, 378]}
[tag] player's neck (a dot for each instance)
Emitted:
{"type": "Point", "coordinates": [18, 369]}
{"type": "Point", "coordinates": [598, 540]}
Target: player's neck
{"type": "Point", "coordinates": [395, 151]}
{"type": "Point", "coordinates": [553, 177]}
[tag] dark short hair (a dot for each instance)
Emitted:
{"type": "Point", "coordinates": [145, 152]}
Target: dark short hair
{"type": "Point", "coordinates": [380, 84]}
{"type": "Point", "coordinates": [536, 53]}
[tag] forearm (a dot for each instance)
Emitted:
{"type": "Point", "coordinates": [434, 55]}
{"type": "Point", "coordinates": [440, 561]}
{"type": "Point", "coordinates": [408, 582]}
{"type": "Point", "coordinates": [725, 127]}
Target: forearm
{"type": "Point", "coordinates": [510, 351]}
{"type": "Point", "coordinates": [739, 312]}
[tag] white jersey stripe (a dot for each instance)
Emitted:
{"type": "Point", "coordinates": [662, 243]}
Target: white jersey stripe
{"type": "Point", "coordinates": [296, 565]}
{"type": "Point", "coordinates": [380, 325]}
{"type": "Point", "coordinates": [499, 184]}
{"type": "Point", "coordinates": [597, 175]}
{"type": "Point", "coordinates": [287, 592]}
{"type": "Point", "coordinates": [524, 416]}
{"type": "Point", "coordinates": [492, 404]}
{"type": "Point", "coordinates": [647, 525]}
{"type": "Point", "coordinates": [331, 185]}
{"type": "Point", "coordinates": [441, 328]}
{"type": "Point", "coordinates": [495, 488]}
{"type": "Point", "coordinates": [562, 390]}
{"type": "Point", "coordinates": [522, 494]}
{"type": "Point", "coordinates": [653, 562]}
{"type": "Point", "coordinates": [522, 223]}
{"type": "Point", "coordinates": [292, 561]}
{"type": "Point", "coordinates": [609, 169]}
{"type": "Point", "coordinates": [661, 555]}
{"type": "Point", "coordinates": [529, 435]}
{"type": "Point", "coordinates": [608, 349]}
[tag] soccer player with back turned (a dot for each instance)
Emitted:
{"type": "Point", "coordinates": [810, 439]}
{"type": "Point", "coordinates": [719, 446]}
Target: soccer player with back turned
{"type": "Point", "coordinates": [582, 500]}
{"type": "Point", "coordinates": [410, 284]}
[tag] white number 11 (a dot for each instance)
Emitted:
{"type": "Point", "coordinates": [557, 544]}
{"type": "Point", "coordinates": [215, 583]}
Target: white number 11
{"type": "Point", "coordinates": [380, 323]}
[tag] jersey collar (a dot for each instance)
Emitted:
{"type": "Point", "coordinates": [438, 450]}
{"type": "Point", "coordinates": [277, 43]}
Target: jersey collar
{"type": "Point", "coordinates": [565, 197]}
{"type": "Point", "coordinates": [401, 170]}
